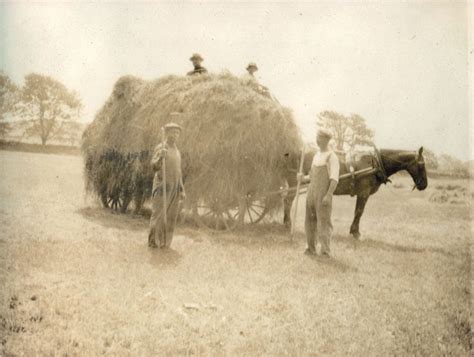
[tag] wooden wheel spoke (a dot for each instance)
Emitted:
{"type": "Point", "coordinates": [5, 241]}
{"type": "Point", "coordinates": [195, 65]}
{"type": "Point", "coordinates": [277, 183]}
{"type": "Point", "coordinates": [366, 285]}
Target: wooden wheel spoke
{"type": "Point", "coordinates": [225, 222]}
{"type": "Point", "coordinates": [255, 211]}
{"type": "Point", "coordinates": [207, 213]}
{"type": "Point", "coordinates": [216, 221]}
{"type": "Point", "coordinates": [250, 215]}
{"type": "Point", "coordinates": [232, 214]}
{"type": "Point", "coordinates": [216, 215]}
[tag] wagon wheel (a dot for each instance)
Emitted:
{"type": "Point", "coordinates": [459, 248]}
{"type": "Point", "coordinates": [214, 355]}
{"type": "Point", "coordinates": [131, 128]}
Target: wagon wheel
{"type": "Point", "coordinates": [215, 216]}
{"type": "Point", "coordinates": [254, 210]}
{"type": "Point", "coordinates": [219, 217]}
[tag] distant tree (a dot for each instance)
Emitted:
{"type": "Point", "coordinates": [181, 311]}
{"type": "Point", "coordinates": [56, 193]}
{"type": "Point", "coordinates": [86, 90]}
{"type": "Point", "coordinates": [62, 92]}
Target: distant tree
{"type": "Point", "coordinates": [453, 166]}
{"type": "Point", "coordinates": [431, 160]}
{"type": "Point", "coordinates": [71, 133]}
{"type": "Point", "coordinates": [46, 106]}
{"type": "Point", "coordinates": [347, 131]}
{"type": "Point", "coordinates": [8, 98]}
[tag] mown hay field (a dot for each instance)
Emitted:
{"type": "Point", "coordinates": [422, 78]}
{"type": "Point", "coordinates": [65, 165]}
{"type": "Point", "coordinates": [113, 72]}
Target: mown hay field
{"type": "Point", "coordinates": [79, 280]}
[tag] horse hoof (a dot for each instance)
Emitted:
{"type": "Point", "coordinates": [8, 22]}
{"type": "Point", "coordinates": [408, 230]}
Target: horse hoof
{"type": "Point", "coordinates": [356, 235]}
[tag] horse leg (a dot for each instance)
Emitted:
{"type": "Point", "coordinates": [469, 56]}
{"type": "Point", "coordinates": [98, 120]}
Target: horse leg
{"type": "Point", "coordinates": [359, 210]}
{"type": "Point", "coordinates": [287, 203]}
{"type": "Point", "coordinates": [138, 200]}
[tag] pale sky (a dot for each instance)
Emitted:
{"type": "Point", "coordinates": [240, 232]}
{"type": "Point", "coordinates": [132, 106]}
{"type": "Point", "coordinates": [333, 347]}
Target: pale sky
{"type": "Point", "coordinates": [402, 66]}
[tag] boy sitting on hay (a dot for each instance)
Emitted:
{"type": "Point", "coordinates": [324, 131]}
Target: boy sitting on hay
{"type": "Point", "coordinates": [168, 188]}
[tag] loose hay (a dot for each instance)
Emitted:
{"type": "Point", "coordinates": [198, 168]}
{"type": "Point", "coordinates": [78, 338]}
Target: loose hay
{"type": "Point", "coordinates": [450, 197]}
{"type": "Point", "coordinates": [233, 143]}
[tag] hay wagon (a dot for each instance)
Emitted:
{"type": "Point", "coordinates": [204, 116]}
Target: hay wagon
{"type": "Point", "coordinates": [229, 137]}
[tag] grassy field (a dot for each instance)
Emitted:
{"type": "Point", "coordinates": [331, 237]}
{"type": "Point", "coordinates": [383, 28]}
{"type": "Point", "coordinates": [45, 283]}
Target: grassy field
{"type": "Point", "coordinates": [80, 280]}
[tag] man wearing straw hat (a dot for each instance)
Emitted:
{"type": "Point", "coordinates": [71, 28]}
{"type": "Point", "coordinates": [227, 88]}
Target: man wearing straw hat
{"type": "Point", "coordinates": [251, 69]}
{"type": "Point", "coordinates": [168, 188]}
{"type": "Point", "coordinates": [197, 60]}
{"type": "Point", "coordinates": [250, 78]}
{"type": "Point", "coordinates": [323, 177]}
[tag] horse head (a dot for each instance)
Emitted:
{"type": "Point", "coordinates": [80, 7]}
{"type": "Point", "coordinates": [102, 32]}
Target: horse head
{"type": "Point", "coordinates": [417, 170]}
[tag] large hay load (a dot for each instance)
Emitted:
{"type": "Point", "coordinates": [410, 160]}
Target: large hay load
{"type": "Point", "coordinates": [233, 143]}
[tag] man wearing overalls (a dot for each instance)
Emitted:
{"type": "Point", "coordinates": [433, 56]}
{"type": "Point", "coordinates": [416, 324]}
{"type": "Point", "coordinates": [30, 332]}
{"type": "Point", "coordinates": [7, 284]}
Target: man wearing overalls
{"type": "Point", "coordinates": [324, 176]}
{"type": "Point", "coordinates": [161, 232]}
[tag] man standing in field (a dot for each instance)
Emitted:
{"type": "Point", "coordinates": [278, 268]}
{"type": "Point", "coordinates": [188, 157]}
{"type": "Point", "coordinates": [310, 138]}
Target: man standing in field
{"type": "Point", "coordinates": [161, 232]}
{"type": "Point", "coordinates": [324, 176]}
{"type": "Point", "coordinates": [197, 60]}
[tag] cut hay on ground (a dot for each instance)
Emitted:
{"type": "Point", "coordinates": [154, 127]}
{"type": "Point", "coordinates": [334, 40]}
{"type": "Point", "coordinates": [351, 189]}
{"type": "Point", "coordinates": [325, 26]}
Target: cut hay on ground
{"type": "Point", "coordinates": [233, 143]}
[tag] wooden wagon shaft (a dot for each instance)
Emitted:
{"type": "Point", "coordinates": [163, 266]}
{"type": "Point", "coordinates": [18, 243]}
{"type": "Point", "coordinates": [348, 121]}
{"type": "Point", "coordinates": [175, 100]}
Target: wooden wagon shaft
{"type": "Point", "coordinates": [357, 174]}
{"type": "Point", "coordinates": [360, 173]}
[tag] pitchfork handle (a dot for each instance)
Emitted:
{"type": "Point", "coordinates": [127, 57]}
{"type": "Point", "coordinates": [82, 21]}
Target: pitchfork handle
{"type": "Point", "coordinates": [293, 220]}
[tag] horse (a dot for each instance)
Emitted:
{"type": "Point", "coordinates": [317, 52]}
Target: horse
{"type": "Point", "coordinates": [387, 162]}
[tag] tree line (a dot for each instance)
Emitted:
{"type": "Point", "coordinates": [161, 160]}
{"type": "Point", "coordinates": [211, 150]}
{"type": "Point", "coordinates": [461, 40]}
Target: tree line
{"type": "Point", "coordinates": [42, 108]}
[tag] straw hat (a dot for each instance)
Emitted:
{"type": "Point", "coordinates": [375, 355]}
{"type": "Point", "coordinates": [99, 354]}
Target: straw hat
{"type": "Point", "coordinates": [170, 126]}
{"type": "Point", "coordinates": [252, 64]}
{"type": "Point", "coordinates": [325, 133]}
{"type": "Point", "coordinates": [196, 56]}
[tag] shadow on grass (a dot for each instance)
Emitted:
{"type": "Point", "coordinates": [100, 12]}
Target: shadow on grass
{"type": "Point", "coordinates": [160, 258]}
{"type": "Point", "coordinates": [262, 235]}
{"type": "Point", "coordinates": [333, 263]}
{"type": "Point", "coordinates": [112, 219]}
{"type": "Point", "coordinates": [249, 233]}
{"type": "Point", "coordinates": [374, 244]}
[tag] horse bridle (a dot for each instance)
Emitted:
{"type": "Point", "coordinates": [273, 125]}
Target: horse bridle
{"type": "Point", "coordinates": [417, 162]}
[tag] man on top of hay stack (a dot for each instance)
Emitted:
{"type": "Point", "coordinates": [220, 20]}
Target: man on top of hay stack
{"type": "Point", "coordinates": [251, 69]}
{"type": "Point", "coordinates": [250, 78]}
{"type": "Point", "coordinates": [323, 177]}
{"type": "Point", "coordinates": [166, 158]}
{"type": "Point", "coordinates": [197, 60]}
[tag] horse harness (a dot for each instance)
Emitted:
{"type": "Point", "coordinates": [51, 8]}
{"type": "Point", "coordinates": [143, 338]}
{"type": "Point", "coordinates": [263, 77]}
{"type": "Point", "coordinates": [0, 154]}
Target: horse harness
{"type": "Point", "coordinates": [381, 173]}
